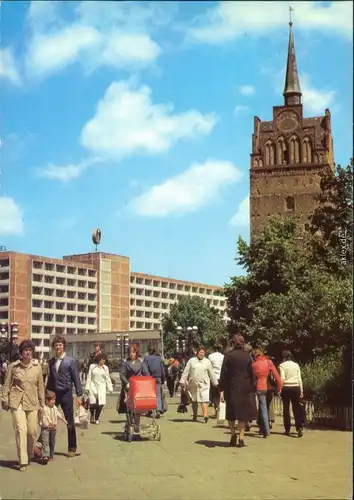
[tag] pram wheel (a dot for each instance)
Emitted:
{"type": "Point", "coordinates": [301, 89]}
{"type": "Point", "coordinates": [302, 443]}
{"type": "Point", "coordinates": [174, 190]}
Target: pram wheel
{"type": "Point", "coordinates": [128, 433]}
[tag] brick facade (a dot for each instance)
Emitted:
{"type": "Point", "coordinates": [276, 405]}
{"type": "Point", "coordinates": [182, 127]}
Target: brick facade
{"type": "Point", "coordinates": [288, 155]}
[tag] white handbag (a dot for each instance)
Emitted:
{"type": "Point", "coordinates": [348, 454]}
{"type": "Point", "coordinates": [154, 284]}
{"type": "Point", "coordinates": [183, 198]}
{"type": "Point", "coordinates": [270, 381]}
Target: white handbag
{"type": "Point", "coordinates": [221, 414]}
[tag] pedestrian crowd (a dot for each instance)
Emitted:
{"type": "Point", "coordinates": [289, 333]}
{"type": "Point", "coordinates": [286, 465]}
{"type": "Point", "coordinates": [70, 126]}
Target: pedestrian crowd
{"type": "Point", "coordinates": [239, 384]}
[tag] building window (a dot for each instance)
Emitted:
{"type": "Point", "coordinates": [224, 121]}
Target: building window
{"type": "Point", "coordinates": [289, 204]}
{"type": "Point", "coordinates": [306, 151]}
{"type": "Point", "coordinates": [281, 152]}
{"type": "Point", "coordinates": [269, 154]}
{"type": "Point", "coordinates": [294, 150]}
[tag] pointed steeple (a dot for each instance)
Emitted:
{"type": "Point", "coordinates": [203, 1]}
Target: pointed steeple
{"type": "Point", "coordinates": [292, 92]}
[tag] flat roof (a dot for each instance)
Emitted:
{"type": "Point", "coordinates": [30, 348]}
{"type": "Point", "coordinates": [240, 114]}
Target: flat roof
{"type": "Point", "coordinates": [111, 336]}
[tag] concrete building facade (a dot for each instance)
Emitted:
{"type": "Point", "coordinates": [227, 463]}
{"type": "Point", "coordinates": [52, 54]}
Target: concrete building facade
{"type": "Point", "coordinates": [87, 294]}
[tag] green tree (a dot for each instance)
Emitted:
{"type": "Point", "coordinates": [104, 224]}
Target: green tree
{"type": "Point", "coordinates": [332, 220]}
{"type": "Point", "coordinates": [193, 311]}
{"type": "Point", "coordinates": [290, 297]}
{"type": "Point", "coordinates": [297, 292]}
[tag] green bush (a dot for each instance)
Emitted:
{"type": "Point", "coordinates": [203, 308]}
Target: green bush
{"type": "Point", "coordinates": [327, 378]}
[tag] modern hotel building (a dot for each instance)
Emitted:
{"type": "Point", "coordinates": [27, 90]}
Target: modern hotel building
{"type": "Point", "coordinates": [93, 293]}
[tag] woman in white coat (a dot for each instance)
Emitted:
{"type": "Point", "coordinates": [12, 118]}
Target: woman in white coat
{"type": "Point", "coordinates": [97, 384]}
{"type": "Point", "coordinates": [196, 377]}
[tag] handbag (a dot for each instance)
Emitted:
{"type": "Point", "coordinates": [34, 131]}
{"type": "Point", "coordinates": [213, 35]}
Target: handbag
{"type": "Point", "coordinates": [81, 418]}
{"type": "Point", "coordinates": [221, 413]}
{"type": "Point", "coordinates": [271, 382]}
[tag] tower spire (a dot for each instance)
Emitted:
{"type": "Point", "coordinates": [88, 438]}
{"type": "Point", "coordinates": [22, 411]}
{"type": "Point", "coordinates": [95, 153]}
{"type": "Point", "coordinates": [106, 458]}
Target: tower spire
{"type": "Point", "coordinates": [292, 92]}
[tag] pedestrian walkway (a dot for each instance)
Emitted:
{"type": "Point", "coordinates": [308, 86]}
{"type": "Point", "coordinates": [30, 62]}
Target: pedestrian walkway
{"type": "Point", "coordinates": [192, 461]}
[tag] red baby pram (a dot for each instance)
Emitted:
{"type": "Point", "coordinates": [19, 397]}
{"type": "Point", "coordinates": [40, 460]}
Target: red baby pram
{"type": "Point", "coordinates": [141, 399]}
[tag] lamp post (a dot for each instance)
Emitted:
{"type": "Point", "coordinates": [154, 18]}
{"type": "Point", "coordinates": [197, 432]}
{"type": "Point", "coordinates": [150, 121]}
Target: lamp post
{"type": "Point", "coordinates": [123, 343]}
{"type": "Point", "coordinates": [9, 332]}
{"type": "Point", "coordinates": [190, 333]}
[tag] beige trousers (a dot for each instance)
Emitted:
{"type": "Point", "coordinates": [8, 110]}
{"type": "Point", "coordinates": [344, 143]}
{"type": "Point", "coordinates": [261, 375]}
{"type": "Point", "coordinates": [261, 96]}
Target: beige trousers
{"type": "Point", "coordinates": [25, 426]}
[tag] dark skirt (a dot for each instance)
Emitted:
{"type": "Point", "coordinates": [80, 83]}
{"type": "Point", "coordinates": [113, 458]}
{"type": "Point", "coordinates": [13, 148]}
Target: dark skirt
{"type": "Point", "coordinates": [214, 396]}
{"type": "Point", "coordinates": [241, 406]}
{"type": "Point", "coordinates": [121, 406]}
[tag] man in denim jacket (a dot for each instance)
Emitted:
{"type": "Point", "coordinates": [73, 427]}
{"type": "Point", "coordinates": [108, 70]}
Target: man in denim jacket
{"type": "Point", "coordinates": [63, 375]}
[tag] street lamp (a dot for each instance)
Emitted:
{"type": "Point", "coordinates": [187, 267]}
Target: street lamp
{"type": "Point", "coordinates": [9, 331]}
{"type": "Point", "coordinates": [123, 343]}
{"type": "Point", "coordinates": [190, 333]}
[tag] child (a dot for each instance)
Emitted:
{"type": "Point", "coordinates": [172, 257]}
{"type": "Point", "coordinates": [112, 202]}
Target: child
{"type": "Point", "coordinates": [48, 421]}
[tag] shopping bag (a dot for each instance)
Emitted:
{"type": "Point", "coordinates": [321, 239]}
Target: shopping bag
{"type": "Point", "coordinates": [82, 419]}
{"type": "Point", "coordinates": [164, 399]}
{"type": "Point", "coordinates": [221, 414]}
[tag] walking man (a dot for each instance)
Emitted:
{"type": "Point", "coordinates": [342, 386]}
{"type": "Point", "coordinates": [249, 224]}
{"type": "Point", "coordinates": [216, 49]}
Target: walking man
{"type": "Point", "coordinates": [63, 375]}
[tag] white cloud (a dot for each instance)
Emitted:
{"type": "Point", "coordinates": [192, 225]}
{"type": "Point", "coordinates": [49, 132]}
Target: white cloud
{"type": "Point", "coordinates": [100, 34]}
{"type": "Point", "coordinates": [11, 219]}
{"type": "Point", "coordinates": [227, 21]}
{"type": "Point", "coordinates": [240, 108]}
{"type": "Point", "coordinates": [315, 100]}
{"type": "Point", "coordinates": [51, 52]}
{"type": "Point", "coordinates": [246, 90]}
{"type": "Point", "coordinates": [8, 69]}
{"type": "Point", "coordinates": [186, 192]}
{"type": "Point", "coordinates": [61, 173]}
{"type": "Point", "coordinates": [127, 123]}
{"type": "Point", "coordinates": [242, 217]}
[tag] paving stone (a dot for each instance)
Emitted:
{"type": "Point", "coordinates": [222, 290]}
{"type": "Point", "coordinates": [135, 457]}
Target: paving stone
{"type": "Point", "coordinates": [193, 460]}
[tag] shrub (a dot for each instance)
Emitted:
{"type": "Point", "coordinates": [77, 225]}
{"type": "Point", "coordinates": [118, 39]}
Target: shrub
{"type": "Point", "coordinates": [326, 378]}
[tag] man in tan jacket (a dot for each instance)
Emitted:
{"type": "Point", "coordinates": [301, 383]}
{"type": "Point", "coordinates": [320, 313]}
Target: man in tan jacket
{"type": "Point", "coordinates": [23, 394]}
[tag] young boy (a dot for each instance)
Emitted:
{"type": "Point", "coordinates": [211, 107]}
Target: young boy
{"type": "Point", "coordinates": [48, 421]}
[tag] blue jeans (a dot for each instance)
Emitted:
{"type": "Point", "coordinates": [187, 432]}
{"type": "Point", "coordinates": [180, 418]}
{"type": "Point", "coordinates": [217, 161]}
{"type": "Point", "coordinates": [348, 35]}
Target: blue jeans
{"type": "Point", "coordinates": [159, 395]}
{"type": "Point", "coordinates": [263, 412]}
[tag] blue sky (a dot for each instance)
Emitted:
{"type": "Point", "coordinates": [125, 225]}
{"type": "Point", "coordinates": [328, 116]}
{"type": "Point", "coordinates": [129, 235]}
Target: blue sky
{"type": "Point", "coordinates": [137, 118]}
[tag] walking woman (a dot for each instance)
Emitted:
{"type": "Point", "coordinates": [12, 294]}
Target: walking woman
{"type": "Point", "coordinates": [263, 368]}
{"type": "Point", "coordinates": [133, 366]}
{"type": "Point", "coordinates": [292, 392]}
{"type": "Point", "coordinates": [197, 376]}
{"type": "Point", "coordinates": [23, 394]}
{"type": "Point", "coordinates": [237, 388]}
{"type": "Point", "coordinates": [97, 384]}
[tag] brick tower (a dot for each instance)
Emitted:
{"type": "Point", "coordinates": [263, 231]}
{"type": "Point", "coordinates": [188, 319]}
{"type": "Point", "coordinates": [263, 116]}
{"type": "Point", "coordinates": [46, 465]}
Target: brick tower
{"type": "Point", "coordinates": [288, 154]}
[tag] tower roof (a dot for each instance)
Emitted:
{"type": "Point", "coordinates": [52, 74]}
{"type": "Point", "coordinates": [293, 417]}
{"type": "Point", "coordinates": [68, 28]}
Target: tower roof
{"type": "Point", "coordinates": [292, 92]}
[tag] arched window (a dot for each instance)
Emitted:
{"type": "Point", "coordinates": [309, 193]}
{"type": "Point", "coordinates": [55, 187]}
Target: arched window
{"type": "Point", "coordinates": [281, 152]}
{"type": "Point", "coordinates": [269, 153]}
{"type": "Point", "coordinates": [256, 163]}
{"type": "Point", "coordinates": [306, 151]}
{"type": "Point", "coordinates": [289, 204]}
{"type": "Point", "coordinates": [260, 163]}
{"type": "Point", "coordinates": [294, 150]}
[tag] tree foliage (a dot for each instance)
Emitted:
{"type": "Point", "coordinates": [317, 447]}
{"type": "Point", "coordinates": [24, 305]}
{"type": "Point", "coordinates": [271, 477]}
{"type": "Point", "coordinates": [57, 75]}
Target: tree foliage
{"type": "Point", "coordinates": [193, 311]}
{"type": "Point", "coordinates": [297, 292]}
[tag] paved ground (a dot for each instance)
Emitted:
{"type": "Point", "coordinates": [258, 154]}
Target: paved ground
{"type": "Point", "coordinates": [192, 461]}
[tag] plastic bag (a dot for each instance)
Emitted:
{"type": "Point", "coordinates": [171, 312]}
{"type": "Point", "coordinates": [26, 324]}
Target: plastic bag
{"type": "Point", "coordinates": [221, 415]}
{"type": "Point", "coordinates": [82, 419]}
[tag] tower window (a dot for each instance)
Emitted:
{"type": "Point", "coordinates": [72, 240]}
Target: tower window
{"type": "Point", "coordinates": [289, 204]}
{"type": "Point", "coordinates": [281, 152]}
{"type": "Point", "coordinates": [269, 154]}
{"type": "Point", "coordinates": [306, 151]}
{"type": "Point", "coordinates": [294, 150]}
